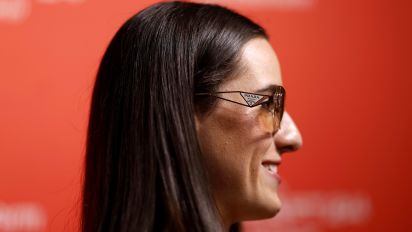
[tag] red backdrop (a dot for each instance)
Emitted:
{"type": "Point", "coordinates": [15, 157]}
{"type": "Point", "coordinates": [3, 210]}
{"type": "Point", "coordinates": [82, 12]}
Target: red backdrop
{"type": "Point", "coordinates": [347, 68]}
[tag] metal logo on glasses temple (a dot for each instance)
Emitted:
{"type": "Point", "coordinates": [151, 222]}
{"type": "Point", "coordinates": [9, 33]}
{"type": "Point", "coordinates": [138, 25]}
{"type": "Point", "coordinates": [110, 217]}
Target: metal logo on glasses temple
{"type": "Point", "coordinates": [251, 99]}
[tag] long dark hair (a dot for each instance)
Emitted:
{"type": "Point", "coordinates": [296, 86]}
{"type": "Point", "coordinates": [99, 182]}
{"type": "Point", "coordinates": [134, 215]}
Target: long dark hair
{"type": "Point", "coordinates": [143, 169]}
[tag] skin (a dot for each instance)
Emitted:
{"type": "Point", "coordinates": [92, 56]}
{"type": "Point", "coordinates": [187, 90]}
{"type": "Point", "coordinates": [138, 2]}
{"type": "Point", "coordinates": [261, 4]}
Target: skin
{"type": "Point", "coordinates": [235, 140]}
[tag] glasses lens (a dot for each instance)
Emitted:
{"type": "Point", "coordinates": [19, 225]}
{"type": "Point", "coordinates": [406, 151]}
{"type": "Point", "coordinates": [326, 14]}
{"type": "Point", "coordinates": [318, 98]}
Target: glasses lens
{"type": "Point", "coordinates": [278, 106]}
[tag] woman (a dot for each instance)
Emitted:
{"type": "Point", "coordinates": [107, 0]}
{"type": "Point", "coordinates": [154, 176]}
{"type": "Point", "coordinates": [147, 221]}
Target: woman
{"type": "Point", "coordinates": [186, 126]}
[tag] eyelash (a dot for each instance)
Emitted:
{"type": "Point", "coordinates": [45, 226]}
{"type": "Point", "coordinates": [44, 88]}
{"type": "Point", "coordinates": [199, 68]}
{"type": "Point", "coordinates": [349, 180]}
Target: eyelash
{"type": "Point", "coordinates": [267, 104]}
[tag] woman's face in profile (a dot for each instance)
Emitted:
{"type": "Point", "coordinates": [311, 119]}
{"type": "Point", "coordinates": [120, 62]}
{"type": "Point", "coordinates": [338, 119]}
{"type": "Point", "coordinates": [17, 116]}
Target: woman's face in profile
{"type": "Point", "coordinates": [242, 151]}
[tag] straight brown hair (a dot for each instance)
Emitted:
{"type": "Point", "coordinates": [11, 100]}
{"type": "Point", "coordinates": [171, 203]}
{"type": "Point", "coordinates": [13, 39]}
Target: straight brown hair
{"type": "Point", "coordinates": [143, 167]}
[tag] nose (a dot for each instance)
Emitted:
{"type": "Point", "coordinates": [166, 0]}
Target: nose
{"type": "Point", "coordinates": [287, 138]}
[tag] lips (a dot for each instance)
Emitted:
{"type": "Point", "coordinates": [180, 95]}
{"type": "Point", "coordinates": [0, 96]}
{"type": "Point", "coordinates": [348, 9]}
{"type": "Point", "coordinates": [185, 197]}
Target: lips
{"type": "Point", "coordinates": [271, 167]}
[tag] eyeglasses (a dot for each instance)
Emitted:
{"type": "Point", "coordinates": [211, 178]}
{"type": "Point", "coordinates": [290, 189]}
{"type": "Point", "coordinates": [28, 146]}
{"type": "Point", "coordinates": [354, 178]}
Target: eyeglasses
{"type": "Point", "coordinates": [274, 103]}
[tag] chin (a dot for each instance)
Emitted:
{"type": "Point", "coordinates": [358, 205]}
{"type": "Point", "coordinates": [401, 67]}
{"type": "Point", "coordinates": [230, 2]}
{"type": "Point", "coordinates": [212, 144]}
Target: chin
{"type": "Point", "coordinates": [273, 210]}
{"type": "Point", "coordinates": [266, 209]}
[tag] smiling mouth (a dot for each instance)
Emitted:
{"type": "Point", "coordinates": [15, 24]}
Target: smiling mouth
{"type": "Point", "coordinates": [272, 168]}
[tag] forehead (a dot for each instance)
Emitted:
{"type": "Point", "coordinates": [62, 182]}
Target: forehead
{"type": "Point", "coordinates": [259, 67]}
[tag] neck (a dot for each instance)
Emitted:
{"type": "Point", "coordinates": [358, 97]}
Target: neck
{"type": "Point", "coordinates": [226, 220]}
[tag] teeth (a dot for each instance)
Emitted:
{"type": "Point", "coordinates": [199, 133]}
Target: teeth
{"type": "Point", "coordinates": [271, 168]}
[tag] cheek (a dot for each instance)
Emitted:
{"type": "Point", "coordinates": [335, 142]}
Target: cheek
{"type": "Point", "coordinates": [224, 140]}
{"type": "Point", "coordinates": [233, 145]}
{"type": "Point", "coordinates": [265, 121]}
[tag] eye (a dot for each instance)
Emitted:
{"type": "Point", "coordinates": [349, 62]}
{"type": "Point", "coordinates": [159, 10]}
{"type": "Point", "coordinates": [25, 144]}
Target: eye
{"type": "Point", "coordinates": [269, 105]}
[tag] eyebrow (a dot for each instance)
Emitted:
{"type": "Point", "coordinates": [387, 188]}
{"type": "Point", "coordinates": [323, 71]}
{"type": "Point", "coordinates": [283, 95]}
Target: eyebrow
{"type": "Point", "coordinates": [266, 89]}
